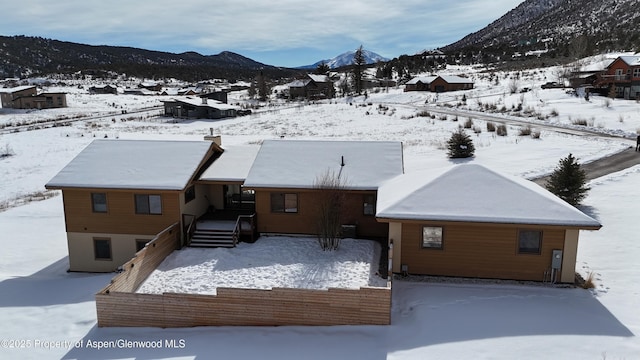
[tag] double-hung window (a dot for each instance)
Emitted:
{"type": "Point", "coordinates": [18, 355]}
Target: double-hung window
{"type": "Point", "coordinates": [99, 202]}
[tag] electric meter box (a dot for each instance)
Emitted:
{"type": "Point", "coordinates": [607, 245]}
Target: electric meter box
{"type": "Point", "coordinates": [556, 259]}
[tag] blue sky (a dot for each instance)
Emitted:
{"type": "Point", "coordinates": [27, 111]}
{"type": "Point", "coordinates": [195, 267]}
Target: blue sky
{"type": "Point", "coordinates": [277, 32]}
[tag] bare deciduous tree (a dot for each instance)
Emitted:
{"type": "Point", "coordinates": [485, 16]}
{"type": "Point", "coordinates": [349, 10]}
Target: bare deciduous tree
{"type": "Point", "coordinates": [331, 200]}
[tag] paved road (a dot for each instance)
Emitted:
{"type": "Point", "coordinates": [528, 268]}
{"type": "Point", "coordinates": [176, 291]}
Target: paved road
{"type": "Point", "coordinates": [606, 165]}
{"type": "Point", "coordinates": [595, 169]}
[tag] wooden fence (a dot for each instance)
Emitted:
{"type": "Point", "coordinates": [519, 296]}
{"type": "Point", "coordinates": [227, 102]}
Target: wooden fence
{"type": "Point", "coordinates": [119, 305]}
{"type": "Point", "coordinates": [136, 270]}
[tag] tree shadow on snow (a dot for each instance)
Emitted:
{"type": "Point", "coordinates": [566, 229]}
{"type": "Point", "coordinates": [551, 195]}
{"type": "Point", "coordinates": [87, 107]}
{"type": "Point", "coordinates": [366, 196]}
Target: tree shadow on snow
{"type": "Point", "coordinates": [52, 285]}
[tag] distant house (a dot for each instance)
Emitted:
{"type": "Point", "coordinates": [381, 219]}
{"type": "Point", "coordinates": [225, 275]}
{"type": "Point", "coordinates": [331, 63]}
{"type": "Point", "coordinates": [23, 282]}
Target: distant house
{"type": "Point", "coordinates": [312, 87]}
{"type": "Point", "coordinates": [469, 221]}
{"type": "Point", "coordinates": [439, 83]}
{"type": "Point", "coordinates": [151, 86]}
{"type": "Point", "coordinates": [103, 89]}
{"type": "Point", "coordinates": [198, 108]}
{"type": "Point", "coordinates": [220, 96]}
{"type": "Point", "coordinates": [285, 177]}
{"type": "Point", "coordinates": [419, 83]}
{"type": "Point", "coordinates": [27, 97]}
{"type": "Point", "coordinates": [623, 74]}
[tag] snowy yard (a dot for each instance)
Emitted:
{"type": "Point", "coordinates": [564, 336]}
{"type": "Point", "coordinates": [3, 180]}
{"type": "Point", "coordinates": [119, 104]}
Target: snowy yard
{"type": "Point", "coordinates": [272, 261]}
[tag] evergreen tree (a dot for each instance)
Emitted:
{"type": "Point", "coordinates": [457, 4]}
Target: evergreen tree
{"type": "Point", "coordinates": [322, 69]}
{"type": "Point", "coordinates": [460, 145]}
{"type": "Point", "coordinates": [264, 90]}
{"type": "Point", "coordinates": [359, 63]}
{"type": "Point", "coordinates": [568, 181]}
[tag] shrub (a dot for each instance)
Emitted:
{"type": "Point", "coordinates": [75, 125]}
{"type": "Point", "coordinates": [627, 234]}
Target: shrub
{"type": "Point", "coordinates": [554, 113]}
{"type": "Point", "coordinates": [535, 135]}
{"type": "Point", "coordinates": [460, 145]}
{"type": "Point", "coordinates": [424, 113]}
{"type": "Point", "coordinates": [588, 282]}
{"type": "Point", "coordinates": [468, 123]}
{"type": "Point", "coordinates": [525, 131]}
{"type": "Point", "coordinates": [6, 151]}
{"type": "Point", "coordinates": [501, 130]}
{"type": "Point", "coordinates": [581, 122]}
{"type": "Point", "coordinates": [491, 127]}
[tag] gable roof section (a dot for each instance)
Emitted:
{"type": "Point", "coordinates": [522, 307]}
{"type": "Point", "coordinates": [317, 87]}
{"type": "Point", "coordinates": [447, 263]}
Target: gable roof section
{"type": "Point", "coordinates": [422, 79]}
{"type": "Point", "coordinates": [319, 78]}
{"type": "Point", "coordinates": [453, 79]}
{"type": "Point", "coordinates": [630, 60]}
{"type": "Point", "coordinates": [16, 89]}
{"type": "Point", "coordinates": [473, 193]}
{"type": "Point", "coordinates": [233, 165]}
{"type": "Point", "coordinates": [134, 164]}
{"type": "Point", "coordinates": [297, 164]}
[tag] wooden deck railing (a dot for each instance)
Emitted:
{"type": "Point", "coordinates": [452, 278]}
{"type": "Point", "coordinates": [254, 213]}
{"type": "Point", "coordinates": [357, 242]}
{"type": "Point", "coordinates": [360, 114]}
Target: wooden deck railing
{"type": "Point", "coordinates": [189, 223]}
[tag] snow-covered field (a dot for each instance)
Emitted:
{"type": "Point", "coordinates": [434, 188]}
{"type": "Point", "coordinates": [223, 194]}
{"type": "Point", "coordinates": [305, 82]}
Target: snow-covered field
{"type": "Point", "coordinates": [40, 303]}
{"type": "Point", "coordinates": [272, 261]}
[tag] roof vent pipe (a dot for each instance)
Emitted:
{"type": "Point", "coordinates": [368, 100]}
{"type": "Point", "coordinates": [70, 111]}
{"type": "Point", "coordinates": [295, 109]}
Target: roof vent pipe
{"type": "Point", "coordinates": [342, 161]}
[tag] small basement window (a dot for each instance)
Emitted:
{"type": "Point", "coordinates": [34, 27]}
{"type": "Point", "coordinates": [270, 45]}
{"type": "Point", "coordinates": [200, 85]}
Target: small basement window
{"type": "Point", "coordinates": [529, 242]}
{"type": "Point", "coordinates": [432, 237]}
{"type": "Point", "coordinates": [140, 243]}
{"type": "Point", "coordinates": [102, 248]}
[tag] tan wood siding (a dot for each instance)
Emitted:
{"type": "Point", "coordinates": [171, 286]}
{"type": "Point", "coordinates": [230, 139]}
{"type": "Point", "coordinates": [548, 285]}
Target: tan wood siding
{"type": "Point", "coordinates": [482, 251]}
{"type": "Point", "coordinates": [121, 217]}
{"type": "Point", "coordinates": [304, 221]}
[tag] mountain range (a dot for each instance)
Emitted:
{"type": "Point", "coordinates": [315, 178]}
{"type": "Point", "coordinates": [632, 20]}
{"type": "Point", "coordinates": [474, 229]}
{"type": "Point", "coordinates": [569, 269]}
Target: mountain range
{"type": "Point", "coordinates": [346, 59]}
{"type": "Point", "coordinates": [571, 28]}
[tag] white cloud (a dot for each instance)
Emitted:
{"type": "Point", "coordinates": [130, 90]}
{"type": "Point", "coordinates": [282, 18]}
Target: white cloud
{"type": "Point", "coordinates": [255, 26]}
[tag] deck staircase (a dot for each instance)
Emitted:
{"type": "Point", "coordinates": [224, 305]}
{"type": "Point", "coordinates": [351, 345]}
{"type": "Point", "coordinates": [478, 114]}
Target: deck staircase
{"type": "Point", "coordinates": [213, 238]}
{"type": "Point", "coordinates": [220, 232]}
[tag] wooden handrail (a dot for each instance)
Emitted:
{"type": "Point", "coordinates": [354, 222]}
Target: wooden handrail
{"type": "Point", "coordinates": [190, 229]}
{"type": "Point", "coordinates": [237, 230]}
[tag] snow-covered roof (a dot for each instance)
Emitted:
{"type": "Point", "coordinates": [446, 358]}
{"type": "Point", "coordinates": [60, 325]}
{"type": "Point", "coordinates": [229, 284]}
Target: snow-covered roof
{"type": "Point", "coordinates": [299, 163]}
{"type": "Point", "coordinates": [133, 164]}
{"type": "Point", "coordinates": [16, 89]}
{"type": "Point", "coordinates": [422, 79]}
{"type": "Point", "coordinates": [319, 78]}
{"type": "Point", "coordinates": [473, 193]}
{"type": "Point", "coordinates": [453, 79]}
{"type": "Point", "coordinates": [233, 165]}
{"type": "Point", "coordinates": [299, 83]}
{"type": "Point", "coordinates": [214, 104]}
{"type": "Point", "coordinates": [631, 60]}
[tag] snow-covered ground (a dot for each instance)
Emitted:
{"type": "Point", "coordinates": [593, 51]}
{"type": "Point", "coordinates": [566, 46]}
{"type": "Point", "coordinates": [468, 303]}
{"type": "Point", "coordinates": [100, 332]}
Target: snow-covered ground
{"type": "Point", "coordinates": [41, 303]}
{"type": "Point", "coordinates": [272, 261]}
